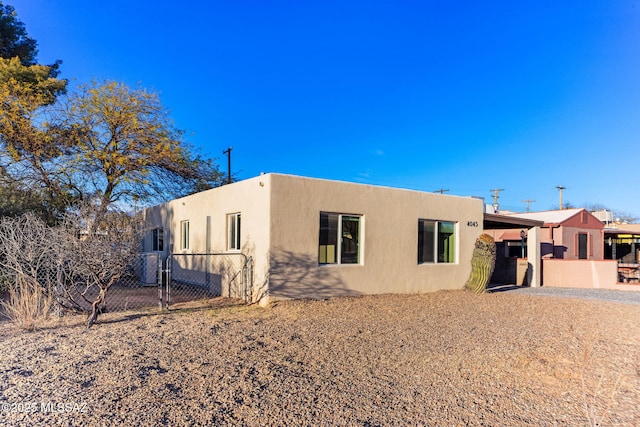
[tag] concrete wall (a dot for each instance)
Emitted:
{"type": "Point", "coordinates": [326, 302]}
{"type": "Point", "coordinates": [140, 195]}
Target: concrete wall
{"type": "Point", "coordinates": [580, 273]}
{"type": "Point", "coordinates": [280, 230]}
{"type": "Point", "coordinates": [251, 198]}
{"type": "Point", "coordinates": [389, 244]}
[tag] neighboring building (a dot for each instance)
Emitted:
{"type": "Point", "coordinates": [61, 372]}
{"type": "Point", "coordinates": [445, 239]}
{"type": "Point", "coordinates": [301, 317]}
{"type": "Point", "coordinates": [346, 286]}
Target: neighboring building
{"type": "Point", "coordinates": [566, 234]}
{"type": "Point", "coordinates": [570, 243]}
{"type": "Point", "coordinates": [313, 238]}
{"type": "Point", "coordinates": [622, 243]}
{"type": "Point", "coordinates": [518, 259]}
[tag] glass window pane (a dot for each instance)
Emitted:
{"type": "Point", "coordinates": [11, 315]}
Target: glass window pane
{"type": "Point", "coordinates": [328, 239]}
{"type": "Point", "coordinates": [158, 239]}
{"type": "Point", "coordinates": [238, 234]}
{"type": "Point", "coordinates": [446, 242]}
{"type": "Point", "coordinates": [350, 240]}
{"type": "Point", "coordinates": [233, 231]}
{"type": "Point", "coordinates": [184, 235]}
{"type": "Point", "coordinates": [154, 240]}
{"type": "Point", "coordinates": [426, 241]}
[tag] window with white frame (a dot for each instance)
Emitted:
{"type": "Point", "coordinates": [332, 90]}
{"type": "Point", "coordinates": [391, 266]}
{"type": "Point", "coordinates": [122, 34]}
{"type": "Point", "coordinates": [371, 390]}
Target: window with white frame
{"type": "Point", "coordinates": [436, 241]}
{"type": "Point", "coordinates": [340, 239]}
{"type": "Point", "coordinates": [184, 234]}
{"type": "Point", "coordinates": [233, 232]}
{"type": "Point", "coordinates": [157, 244]}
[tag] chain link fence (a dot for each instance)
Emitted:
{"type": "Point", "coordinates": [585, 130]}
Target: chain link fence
{"type": "Point", "coordinates": [192, 277]}
{"type": "Point", "coordinates": [95, 269]}
{"type": "Point", "coordinates": [180, 281]}
{"type": "Point", "coordinates": [148, 282]}
{"type": "Point", "coordinates": [137, 288]}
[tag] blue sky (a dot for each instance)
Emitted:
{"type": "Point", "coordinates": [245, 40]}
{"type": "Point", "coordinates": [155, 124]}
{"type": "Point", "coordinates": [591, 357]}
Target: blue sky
{"type": "Point", "coordinates": [460, 95]}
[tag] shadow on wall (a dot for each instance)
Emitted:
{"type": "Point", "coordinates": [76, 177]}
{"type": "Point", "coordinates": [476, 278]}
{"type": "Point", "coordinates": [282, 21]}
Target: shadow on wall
{"type": "Point", "coordinates": [559, 251]}
{"type": "Point", "coordinates": [546, 249]}
{"type": "Point", "coordinates": [299, 276]}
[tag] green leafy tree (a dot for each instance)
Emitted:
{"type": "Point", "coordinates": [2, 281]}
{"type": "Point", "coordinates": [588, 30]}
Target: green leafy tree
{"type": "Point", "coordinates": [105, 142]}
{"type": "Point", "coordinates": [16, 199]}
{"type": "Point", "coordinates": [120, 145]}
{"type": "Point", "coordinates": [14, 40]}
{"type": "Point", "coordinates": [28, 152]}
{"type": "Point", "coordinates": [27, 91]}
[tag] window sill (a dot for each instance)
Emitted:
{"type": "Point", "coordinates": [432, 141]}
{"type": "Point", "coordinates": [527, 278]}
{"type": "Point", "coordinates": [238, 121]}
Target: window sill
{"type": "Point", "coordinates": [340, 265]}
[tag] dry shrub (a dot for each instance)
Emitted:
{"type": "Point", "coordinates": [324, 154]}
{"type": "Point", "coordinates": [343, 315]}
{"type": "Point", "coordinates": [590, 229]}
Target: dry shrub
{"type": "Point", "coordinates": [599, 389]}
{"type": "Point", "coordinates": [27, 251]}
{"type": "Point", "coordinates": [98, 247]}
{"type": "Point", "coordinates": [73, 265]}
{"type": "Point", "coordinates": [27, 304]}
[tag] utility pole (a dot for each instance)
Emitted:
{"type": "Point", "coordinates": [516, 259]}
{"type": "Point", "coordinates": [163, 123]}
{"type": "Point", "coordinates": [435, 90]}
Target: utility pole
{"type": "Point", "coordinates": [496, 195]}
{"type": "Point", "coordinates": [560, 188]}
{"type": "Point", "coordinates": [441, 191]}
{"type": "Point", "coordinates": [228, 153]}
{"type": "Point", "coordinates": [528, 202]}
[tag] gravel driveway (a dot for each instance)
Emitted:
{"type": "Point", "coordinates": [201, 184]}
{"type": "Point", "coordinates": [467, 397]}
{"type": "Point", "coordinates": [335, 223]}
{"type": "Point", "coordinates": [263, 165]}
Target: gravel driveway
{"type": "Point", "coordinates": [606, 295]}
{"type": "Point", "coordinates": [447, 358]}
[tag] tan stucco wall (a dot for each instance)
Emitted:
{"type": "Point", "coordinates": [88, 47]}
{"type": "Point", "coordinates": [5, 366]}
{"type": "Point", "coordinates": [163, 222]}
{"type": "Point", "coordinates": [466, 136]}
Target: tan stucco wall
{"type": "Point", "coordinates": [249, 197]}
{"type": "Point", "coordinates": [280, 230]}
{"type": "Point", "coordinates": [389, 246]}
{"type": "Point", "coordinates": [566, 237]}
{"type": "Point", "coordinates": [566, 273]}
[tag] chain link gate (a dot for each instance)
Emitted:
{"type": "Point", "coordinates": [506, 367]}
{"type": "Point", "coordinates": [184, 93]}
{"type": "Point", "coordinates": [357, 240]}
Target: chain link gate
{"type": "Point", "coordinates": [191, 277]}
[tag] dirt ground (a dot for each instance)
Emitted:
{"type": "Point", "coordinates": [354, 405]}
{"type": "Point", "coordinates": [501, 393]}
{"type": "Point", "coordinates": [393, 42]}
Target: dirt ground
{"type": "Point", "coordinates": [447, 358]}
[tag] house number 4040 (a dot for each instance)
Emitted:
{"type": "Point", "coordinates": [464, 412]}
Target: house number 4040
{"type": "Point", "coordinates": [472, 223]}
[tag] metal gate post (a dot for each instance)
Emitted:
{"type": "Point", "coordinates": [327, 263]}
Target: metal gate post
{"type": "Point", "coordinates": [168, 281]}
{"type": "Point", "coordinates": [248, 280]}
{"type": "Point", "coordinates": [160, 280]}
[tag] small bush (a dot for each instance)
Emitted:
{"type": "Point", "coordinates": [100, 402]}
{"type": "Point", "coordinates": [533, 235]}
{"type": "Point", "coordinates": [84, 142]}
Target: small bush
{"type": "Point", "coordinates": [27, 305]}
{"type": "Point", "coordinates": [599, 390]}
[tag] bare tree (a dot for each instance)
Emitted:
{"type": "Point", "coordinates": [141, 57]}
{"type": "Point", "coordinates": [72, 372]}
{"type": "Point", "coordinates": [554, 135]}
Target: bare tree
{"type": "Point", "coordinates": [28, 258]}
{"type": "Point", "coordinates": [74, 264]}
{"type": "Point", "coordinates": [98, 252]}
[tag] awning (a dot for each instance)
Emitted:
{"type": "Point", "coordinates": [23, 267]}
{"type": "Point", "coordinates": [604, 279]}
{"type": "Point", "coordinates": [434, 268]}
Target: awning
{"type": "Point", "coordinates": [502, 222]}
{"type": "Point", "coordinates": [511, 235]}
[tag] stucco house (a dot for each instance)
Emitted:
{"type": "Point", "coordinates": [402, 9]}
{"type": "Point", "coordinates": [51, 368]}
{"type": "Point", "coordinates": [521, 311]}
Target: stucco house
{"type": "Point", "coordinates": [315, 238]}
{"type": "Point", "coordinates": [571, 245]}
{"type": "Point", "coordinates": [568, 234]}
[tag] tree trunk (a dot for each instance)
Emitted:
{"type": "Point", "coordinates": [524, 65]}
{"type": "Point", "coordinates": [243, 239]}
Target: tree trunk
{"type": "Point", "coordinates": [93, 316]}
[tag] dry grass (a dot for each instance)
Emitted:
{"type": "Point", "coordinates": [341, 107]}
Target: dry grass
{"type": "Point", "coordinates": [26, 304]}
{"type": "Point", "coordinates": [599, 389]}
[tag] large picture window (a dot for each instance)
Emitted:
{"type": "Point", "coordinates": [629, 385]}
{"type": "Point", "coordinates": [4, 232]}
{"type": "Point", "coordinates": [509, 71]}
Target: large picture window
{"type": "Point", "coordinates": [436, 241]}
{"type": "Point", "coordinates": [233, 232]}
{"type": "Point", "coordinates": [184, 235]}
{"type": "Point", "coordinates": [340, 239]}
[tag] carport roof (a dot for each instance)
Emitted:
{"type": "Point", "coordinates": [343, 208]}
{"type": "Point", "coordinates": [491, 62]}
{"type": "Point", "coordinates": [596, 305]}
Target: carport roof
{"type": "Point", "coordinates": [503, 222]}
